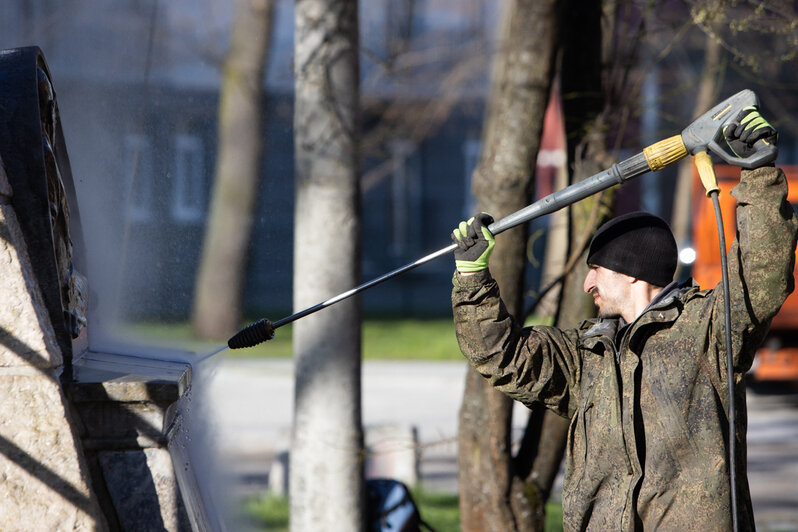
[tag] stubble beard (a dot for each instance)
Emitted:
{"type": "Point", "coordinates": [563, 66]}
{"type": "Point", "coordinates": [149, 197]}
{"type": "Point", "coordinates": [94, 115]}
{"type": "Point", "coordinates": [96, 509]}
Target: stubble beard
{"type": "Point", "coordinates": [607, 308]}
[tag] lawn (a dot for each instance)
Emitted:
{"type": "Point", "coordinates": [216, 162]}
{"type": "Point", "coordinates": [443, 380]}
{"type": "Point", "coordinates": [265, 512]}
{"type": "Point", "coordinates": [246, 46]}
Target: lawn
{"type": "Point", "coordinates": [420, 339]}
{"type": "Point", "coordinates": [440, 510]}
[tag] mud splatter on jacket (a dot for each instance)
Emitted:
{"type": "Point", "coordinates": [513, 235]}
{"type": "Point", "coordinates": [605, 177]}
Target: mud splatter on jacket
{"type": "Point", "coordinates": [648, 415]}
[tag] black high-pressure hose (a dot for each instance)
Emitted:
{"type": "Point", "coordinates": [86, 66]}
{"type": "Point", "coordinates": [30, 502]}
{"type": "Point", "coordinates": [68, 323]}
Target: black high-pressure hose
{"type": "Point", "coordinates": [724, 267]}
{"type": "Point", "coordinates": [706, 172]}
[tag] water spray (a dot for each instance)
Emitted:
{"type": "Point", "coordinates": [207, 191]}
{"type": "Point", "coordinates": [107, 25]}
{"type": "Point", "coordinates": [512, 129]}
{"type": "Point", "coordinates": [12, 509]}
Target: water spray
{"type": "Point", "coordinates": [211, 354]}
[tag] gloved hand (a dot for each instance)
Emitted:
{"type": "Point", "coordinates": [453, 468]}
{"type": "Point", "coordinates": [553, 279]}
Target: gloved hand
{"type": "Point", "coordinates": [474, 244]}
{"type": "Point", "coordinates": [747, 128]}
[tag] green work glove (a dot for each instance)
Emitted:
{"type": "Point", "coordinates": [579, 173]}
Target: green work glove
{"type": "Point", "coordinates": [747, 128]}
{"type": "Point", "coordinates": [474, 244]}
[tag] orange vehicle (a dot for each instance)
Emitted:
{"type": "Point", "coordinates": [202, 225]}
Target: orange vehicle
{"type": "Point", "coordinates": [777, 359]}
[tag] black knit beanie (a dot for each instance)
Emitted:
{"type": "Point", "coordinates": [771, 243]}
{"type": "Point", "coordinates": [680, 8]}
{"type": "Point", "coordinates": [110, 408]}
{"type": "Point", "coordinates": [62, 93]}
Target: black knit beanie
{"type": "Point", "coordinates": [637, 244]}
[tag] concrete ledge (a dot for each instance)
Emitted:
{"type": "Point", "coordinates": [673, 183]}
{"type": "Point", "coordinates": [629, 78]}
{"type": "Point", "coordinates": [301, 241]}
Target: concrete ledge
{"type": "Point", "coordinates": [128, 378]}
{"type": "Point", "coordinates": [122, 402]}
{"type": "Point", "coordinates": [138, 423]}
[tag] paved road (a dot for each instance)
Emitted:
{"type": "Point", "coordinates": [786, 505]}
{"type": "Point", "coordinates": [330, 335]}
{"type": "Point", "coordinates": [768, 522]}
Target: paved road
{"type": "Point", "coordinates": [252, 402]}
{"type": "Point", "coordinates": [773, 459]}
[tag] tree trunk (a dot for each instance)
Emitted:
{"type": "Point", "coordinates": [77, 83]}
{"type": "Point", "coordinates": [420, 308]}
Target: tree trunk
{"type": "Point", "coordinates": [218, 291]}
{"type": "Point", "coordinates": [543, 445]}
{"type": "Point", "coordinates": [491, 496]}
{"type": "Point", "coordinates": [585, 75]}
{"type": "Point", "coordinates": [544, 440]}
{"type": "Point", "coordinates": [326, 473]}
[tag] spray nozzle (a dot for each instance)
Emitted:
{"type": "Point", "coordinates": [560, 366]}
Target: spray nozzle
{"type": "Point", "coordinates": [252, 335]}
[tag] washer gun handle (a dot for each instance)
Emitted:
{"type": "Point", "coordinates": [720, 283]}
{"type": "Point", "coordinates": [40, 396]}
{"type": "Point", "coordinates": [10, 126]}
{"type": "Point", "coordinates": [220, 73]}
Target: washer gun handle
{"type": "Point", "coordinates": [706, 171]}
{"type": "Point", "coordinates": [655, 157]}
{"type": "Point", "coordinates": [702, 135]}
{"type": "Point", "coordinates": [706, 132]}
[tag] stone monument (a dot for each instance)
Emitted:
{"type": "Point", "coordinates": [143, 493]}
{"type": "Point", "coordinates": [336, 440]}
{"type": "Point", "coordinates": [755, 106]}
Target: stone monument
{"type": "Point", "coordinates": [85, 436]}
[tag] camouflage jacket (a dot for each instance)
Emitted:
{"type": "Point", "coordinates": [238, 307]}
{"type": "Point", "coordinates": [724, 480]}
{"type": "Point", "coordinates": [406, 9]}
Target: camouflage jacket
{"type": "Point", "coordinates": [647, 408]}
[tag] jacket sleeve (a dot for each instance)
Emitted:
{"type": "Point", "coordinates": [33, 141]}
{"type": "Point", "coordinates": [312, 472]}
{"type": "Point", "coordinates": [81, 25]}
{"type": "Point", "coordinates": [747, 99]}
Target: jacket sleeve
{"type": "Point", "coordinates": [532, 364]}
{"type": "Point", "coordinates": [761, 261]}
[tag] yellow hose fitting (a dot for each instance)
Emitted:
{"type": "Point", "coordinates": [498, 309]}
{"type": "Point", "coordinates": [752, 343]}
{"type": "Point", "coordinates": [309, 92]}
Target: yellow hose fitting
{"type": "Point", "coordinates": [703, 163]}
{"type": "Point", "coordinates": [665, 152]}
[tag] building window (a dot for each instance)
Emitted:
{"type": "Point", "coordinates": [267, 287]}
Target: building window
{"type": "Point", "coordinates": [138, 177]}
{"type": "Point", "coordinates": [471, 150]}
{"type": "Point", "coordinates": [405, 198]}
{"type": "Point", "coordinates": [188, 183]}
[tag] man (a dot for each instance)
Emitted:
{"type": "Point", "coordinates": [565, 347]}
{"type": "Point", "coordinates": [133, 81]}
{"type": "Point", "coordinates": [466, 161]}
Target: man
{"type": "Point", "coordinates": [644, 385]}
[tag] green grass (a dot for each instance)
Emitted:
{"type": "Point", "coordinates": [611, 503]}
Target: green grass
{"type": "Point", "coordinates": [554, 517]}
{"type": "Point", "coordinates": [420, 339]}
{"type": "Point", "coordinates": [440, 510]}
{"type": "Point", "coordinates": [431, 339]}
{"type": "Point", "coordinates": [267, 513]}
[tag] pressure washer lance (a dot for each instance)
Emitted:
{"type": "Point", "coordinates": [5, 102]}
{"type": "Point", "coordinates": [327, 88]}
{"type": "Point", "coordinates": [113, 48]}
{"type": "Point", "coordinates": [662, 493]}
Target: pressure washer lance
{"type": "Point", "coordinates": [704, 133]}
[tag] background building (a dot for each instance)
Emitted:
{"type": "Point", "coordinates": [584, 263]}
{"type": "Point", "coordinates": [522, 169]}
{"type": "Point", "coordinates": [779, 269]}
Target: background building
{"type": "Point", "coordinates": [138, 85]}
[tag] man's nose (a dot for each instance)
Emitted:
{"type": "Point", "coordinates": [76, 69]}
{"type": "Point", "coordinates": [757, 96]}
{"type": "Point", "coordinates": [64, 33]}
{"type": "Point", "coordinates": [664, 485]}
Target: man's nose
{"type": "Point", "coordinates": [588, 284]}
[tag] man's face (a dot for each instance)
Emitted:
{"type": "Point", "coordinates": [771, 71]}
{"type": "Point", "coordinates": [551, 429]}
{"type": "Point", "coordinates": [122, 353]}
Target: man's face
{"type": "Point", "coordinates": [611, 290]}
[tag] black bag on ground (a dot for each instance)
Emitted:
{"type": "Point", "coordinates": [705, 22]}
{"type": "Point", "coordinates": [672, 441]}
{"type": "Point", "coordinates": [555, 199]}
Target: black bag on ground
{"type": "Point", "coordinates": [391, 508]}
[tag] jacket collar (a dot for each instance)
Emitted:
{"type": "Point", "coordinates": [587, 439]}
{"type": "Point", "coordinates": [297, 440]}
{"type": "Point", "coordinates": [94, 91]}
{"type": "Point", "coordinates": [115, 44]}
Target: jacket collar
{"type": "Point", "coordinates": [598, 334]}
{"type": "Point", "coordinates": [664, 308]}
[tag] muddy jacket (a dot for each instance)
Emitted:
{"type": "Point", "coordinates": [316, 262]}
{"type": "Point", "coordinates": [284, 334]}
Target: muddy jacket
{"type": "Point", "coordinates": [647, 404]}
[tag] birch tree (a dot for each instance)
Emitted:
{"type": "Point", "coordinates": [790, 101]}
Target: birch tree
{"type": "Point", "coordinates": [326, 472]}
